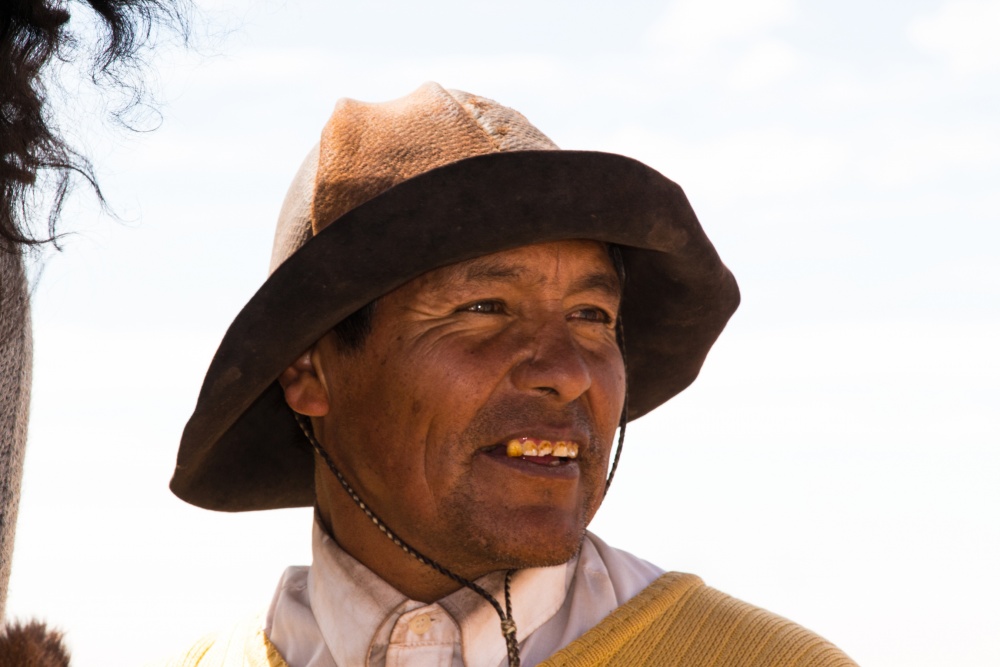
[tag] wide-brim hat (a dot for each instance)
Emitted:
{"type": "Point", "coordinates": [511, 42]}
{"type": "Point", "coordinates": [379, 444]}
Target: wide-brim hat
{"type": "Point", "coordinates": [396, 189]}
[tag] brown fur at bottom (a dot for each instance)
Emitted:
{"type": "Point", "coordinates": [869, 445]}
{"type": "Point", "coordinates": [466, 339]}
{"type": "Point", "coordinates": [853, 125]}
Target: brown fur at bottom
{"type": "Point", "coordinates": [32, 645]}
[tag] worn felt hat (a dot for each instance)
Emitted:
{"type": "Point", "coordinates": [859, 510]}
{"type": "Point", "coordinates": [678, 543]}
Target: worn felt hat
{"type": "Point", "coordinates": [396, 189]}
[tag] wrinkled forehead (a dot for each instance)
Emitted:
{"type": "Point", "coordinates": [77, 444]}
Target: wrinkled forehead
{"type": "Point", "coordinates": [576, 265]}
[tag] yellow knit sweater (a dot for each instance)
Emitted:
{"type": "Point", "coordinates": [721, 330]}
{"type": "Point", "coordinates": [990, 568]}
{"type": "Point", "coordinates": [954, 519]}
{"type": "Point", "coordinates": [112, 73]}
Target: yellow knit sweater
{"type": "Point", "coordinates": [677, 621]}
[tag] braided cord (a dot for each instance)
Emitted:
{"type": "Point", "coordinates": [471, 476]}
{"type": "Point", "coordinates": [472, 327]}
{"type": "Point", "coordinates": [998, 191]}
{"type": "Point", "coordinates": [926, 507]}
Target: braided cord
{"type": "Point", "coordinates": [507, 625]}
{"type": "Point", "coordinates": [620, 335]}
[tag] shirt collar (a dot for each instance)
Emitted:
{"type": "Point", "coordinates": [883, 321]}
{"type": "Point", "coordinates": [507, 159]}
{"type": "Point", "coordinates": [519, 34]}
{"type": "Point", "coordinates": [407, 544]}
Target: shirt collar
{"type": "Point", "coordinates": [353, 606]}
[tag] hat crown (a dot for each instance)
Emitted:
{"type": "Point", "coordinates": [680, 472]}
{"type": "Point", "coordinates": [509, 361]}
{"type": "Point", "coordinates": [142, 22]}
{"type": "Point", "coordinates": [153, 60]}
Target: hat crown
{"type": "Point", "coordinates": [367, 148]}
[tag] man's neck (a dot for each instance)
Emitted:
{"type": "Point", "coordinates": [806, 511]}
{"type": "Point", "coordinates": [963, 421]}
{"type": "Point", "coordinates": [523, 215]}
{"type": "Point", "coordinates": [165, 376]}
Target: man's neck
{"type": "Point", "coordinates": [364, 542]}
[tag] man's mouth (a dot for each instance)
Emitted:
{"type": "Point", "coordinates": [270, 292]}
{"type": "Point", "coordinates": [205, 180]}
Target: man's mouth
{"type": "Point", "coordinates": [551, 456]}
{"type": "Point", "coordinates": [530, 448]}
{"type": "Point", "coordinates": [546, 453]}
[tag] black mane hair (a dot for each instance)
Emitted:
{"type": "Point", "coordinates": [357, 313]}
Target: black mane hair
{"type": "Point", "coordinates": [36, 161]}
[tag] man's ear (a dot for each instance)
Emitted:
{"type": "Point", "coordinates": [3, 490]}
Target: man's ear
{"type": "Point", "coordinates": [305, 392]}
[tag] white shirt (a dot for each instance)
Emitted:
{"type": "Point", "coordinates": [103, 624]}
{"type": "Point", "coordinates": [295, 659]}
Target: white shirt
{"type": "Point", "coordinates": [338, 613]}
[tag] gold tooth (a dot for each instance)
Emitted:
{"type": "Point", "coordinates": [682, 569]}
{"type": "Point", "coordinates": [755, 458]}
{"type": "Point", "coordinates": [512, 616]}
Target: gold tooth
{"type": "Point", "coordinates": [544, 448]}
{"type": "Point", "coordinates": [530, 449]}
{"type": "Point", "coordinates": [574, 449]}
{"type": "Point", "coordinates": [514, 449]}
{"type": "Point", "coordinates": [560, 449]}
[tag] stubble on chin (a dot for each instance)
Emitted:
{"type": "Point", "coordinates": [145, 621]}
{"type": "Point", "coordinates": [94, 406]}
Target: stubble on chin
{"type": "Point", "coordinates": [506, 544]}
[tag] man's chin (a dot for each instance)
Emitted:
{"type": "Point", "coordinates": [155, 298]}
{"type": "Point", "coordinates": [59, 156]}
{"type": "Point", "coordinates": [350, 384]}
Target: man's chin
{"type": "Point", "coordinates": [516, 537]}
{"type": "Point", "coordinates": [548, 553]}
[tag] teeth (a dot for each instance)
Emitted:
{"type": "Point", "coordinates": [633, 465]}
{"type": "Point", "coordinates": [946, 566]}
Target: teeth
{"type": "Point", "coordinates": [527, 447]}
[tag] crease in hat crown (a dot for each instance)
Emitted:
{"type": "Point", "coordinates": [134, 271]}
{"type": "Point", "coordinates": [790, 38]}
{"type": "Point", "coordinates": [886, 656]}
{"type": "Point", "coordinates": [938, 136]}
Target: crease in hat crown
{"type": "Point", "coordinates": [367, 148]}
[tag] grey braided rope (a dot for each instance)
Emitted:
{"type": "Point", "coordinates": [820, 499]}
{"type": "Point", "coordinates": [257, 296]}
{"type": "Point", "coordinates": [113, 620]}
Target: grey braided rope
{"type": "Point", "coordinates": [620, 336]}
{"type": "Point", "coordinates": [507, 625]}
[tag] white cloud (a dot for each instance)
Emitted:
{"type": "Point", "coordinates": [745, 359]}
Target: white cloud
{"type": "Point", "coordinates": [485, 71]}
{"type": "Point", "coordinates": [694, 27]}
{"type": "Point", "coordinates": [261, 68]}
{"type": "Point", "coordinates": [963, 32]}
{"type": "Point", "coordinates": [910, 155]}
{"type": "Point", "coordinates": [766, 63]}
{"type": "Point", "coordinates": [761, 163]}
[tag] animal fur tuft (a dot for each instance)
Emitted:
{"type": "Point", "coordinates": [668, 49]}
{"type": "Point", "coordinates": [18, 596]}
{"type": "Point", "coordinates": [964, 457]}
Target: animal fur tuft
{"type": "Point", "coordinates": [32, 645]}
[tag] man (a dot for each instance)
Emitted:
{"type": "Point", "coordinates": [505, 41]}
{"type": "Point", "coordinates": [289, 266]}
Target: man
{"type": "Point", "coordinates": [459, 318]}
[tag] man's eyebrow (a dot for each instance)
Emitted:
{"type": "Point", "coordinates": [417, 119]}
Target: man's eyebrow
{"type": "Point", "coordinates": [478, 273]}
{"type": "Point", "coordinates": [600, 281]}
{"type": "Point", "coordinates": [487, 271]}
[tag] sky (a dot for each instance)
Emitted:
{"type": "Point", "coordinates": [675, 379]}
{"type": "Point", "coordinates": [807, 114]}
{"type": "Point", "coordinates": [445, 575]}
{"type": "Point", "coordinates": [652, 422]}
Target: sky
{"type": "Point", "coordinates": [837, 460]}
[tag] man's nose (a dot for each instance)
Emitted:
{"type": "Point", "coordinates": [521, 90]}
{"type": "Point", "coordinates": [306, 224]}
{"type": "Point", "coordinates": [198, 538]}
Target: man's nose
{"type": "Point", "coordinates": [554, 364]}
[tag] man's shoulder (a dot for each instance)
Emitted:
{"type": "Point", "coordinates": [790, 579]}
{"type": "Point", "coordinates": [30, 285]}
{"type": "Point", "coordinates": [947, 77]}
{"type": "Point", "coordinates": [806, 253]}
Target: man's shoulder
{"type": "Point", "coordinates": [628, 575]}
{"type": "Point", "coordinates": [679, 620]}
{"type": "Point", "coordinates": [243, 645]}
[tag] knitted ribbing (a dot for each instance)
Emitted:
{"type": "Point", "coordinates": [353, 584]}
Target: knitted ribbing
{"type": "Point", "coordinates": [15, 389]}
{"type": "Point", "coordinates": [678, 621]}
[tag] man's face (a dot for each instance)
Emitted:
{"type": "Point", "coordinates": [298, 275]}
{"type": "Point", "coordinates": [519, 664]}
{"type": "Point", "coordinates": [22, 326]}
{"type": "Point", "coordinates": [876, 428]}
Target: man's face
{"type": "Point", "coordinates": [515, 345]}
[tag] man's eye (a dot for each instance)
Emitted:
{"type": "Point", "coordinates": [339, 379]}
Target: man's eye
{"type": "Point", "coordinates": [593, 315]}
{"type": "Point", "coordinates": [487, 307]}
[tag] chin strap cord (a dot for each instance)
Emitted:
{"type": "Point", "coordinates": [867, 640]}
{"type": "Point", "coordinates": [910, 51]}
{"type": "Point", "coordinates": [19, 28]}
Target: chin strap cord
{"type": "Point", "coordinates": [620, 336]}
{"type": "Point", "coordinates": [507, 625]}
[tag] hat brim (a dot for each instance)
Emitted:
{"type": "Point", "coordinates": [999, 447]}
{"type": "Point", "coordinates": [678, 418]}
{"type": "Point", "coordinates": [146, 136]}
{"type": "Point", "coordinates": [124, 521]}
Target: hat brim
{"type": "Point", "coordinates": [242, 450]}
